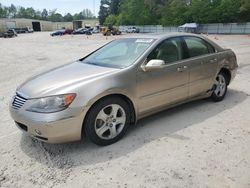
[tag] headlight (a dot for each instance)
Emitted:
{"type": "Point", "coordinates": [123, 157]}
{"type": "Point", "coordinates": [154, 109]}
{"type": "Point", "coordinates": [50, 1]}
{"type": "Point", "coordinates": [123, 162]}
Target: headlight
{"type": "Point", "coordinates": [51, 104]}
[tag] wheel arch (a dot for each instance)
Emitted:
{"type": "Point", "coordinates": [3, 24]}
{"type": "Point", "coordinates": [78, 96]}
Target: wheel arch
{"type": "Point", "coordinates": [227, 73]}
{"type": "Point", "coordinates": [120, 95]}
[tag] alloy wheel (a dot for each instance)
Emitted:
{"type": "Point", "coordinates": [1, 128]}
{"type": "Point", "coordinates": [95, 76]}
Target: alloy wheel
{"type": "Point", "coordinates": [220, 84]}
{"type": "Point", "coordinates": [110, 121]}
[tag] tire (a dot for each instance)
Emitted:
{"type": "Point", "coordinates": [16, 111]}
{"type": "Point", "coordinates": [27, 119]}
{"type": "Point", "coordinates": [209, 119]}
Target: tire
{"type": "Point", "coordinates": [107, 121]}
{"type": "Point", "coordinates": [108, 33]}
{"type": "Point", "coordinates": [220, 90]}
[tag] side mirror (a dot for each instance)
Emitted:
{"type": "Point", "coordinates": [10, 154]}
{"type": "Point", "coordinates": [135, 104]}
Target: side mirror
{"type": "Point", "coordinates": [153, 64]}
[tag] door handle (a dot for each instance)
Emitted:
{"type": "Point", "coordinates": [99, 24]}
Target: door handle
{"type": "Point", "coordinates": [213, 60]}
{"type": "Point", "coordinates": [181, 69]}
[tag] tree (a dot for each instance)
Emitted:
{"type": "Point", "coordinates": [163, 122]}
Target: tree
{"type": "Point", "coordinates": [12, 11]}
{"type": "Point", "coordinates": [44, 14]}
{"type": "Point", "coordinates": [85, 14]}
{"type": "Point", "coordinates": [115, 6]}
{"type": "Point", "coordinates": [174, 12]}
{"type": "Point", "coordinates": [229, 11]}
{"type": "Point", "coordinates": [104, 11]}
{"type": "Point", "coordinates": [22, 13]}
{"type": "Point", "coordinates": [136, 12]}
{"type": "Point", "coordinates": [54, 16]}
{"type": "Point", "coordinates": [2, 11]}
{"type": "Point", "coordinates": [245, 10]}
{"type": "Point", "coordinates": [111, 19]}
{"type": "Point", "coordinates": [31, 13]}
{"type": "Point", "coordinates": [68, 18]}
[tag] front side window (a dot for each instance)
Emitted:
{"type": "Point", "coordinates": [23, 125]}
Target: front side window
{"type": "Point", "coordinates": [169, 50]}
{"type": "Point", "coordinates": [198, 47]}
{"type": "Point", "coordinates": [119, 53]}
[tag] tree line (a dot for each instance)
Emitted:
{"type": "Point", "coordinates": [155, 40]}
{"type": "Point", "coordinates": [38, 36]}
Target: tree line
{"type": "Point", "coordinates": [49, 15]}
{"type": "Point", "coordinates": [173, 12]}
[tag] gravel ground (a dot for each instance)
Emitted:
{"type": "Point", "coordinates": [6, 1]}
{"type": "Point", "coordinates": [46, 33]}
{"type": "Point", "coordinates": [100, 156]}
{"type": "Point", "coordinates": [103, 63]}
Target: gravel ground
{"type": "Point", "coordinates": [200, 144]}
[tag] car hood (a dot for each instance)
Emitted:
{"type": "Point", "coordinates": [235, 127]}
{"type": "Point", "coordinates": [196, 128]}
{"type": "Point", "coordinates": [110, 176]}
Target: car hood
{"type": "Point", "coordinates": [61, 79]}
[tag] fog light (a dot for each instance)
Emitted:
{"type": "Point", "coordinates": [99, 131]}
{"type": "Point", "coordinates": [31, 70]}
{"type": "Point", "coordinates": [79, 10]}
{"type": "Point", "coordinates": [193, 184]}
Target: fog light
{"type": "Point", "coordinates": [38, 132]}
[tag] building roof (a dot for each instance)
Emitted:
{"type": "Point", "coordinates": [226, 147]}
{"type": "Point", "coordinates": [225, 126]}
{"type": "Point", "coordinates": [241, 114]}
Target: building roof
{"type": "Point", "coordinates": [189, 25]}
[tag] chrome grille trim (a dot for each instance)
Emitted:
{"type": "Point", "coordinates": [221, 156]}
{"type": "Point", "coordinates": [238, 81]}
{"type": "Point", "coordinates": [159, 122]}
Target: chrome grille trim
{"type": "Point", "coordinates": [18, 102]}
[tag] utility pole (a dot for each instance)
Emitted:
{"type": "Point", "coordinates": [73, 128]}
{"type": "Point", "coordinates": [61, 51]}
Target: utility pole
{"type": "Point", "coordinates": [94, 7]}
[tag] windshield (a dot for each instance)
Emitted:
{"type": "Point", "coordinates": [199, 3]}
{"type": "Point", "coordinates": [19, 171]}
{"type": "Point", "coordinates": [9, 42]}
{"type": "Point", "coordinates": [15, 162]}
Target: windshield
{"type": "Point", "coordinates": [119, 53]}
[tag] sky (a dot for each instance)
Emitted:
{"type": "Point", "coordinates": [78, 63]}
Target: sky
{"type": "Point", "coordinates": [62, 6]}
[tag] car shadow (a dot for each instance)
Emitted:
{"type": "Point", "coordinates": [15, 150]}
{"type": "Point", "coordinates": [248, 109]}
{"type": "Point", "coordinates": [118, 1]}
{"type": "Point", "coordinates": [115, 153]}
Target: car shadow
{"type": "Point", "coordinates": [163, 124]}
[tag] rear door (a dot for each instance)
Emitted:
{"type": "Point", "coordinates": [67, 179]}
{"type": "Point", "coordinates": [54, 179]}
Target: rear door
{"type": "Point", "coordinates": [202, 66]}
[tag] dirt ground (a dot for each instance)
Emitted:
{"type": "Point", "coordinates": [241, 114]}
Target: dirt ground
{"type": "Point", "coordinates": [200, 144]}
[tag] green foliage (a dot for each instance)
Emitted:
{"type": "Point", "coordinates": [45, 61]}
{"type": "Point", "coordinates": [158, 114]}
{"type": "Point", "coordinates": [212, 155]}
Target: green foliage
{"type": "Point", "coordinates": [173, 12]}
{"type": "Point", "coordinates": [104, 11]}
{"type": "Point", "coordinates": [108, 8]}
{"type": "Point", "coordinates": [111, 19]}
{"type": "Point", "coordinates": [245, 10]}
{"type": "Point", "coordinates": [51, 15]}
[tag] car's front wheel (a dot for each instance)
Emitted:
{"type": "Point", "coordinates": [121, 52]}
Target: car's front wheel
{"type": "Point", "coordinates": [220, 88]}
{"type": "Point", "coordinates": [107, 121]}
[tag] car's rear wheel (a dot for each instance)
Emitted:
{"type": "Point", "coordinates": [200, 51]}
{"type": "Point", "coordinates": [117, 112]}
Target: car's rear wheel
{"type": "Point", "coordinates": [107, 121]}
{"type": "Point", "coordinates": [220, 88]}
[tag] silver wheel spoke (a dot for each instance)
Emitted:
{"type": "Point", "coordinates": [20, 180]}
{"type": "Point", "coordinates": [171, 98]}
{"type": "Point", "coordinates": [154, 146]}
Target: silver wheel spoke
{"type": "Point", "coordinates": [217, 90]}
{"type": "Point", "coordinates": [120, 120]}
{"type": "Point", "coordinates": [113, 131]}
{"type": "Point", "coordinates": [102, 116]}
{"type": "Point", "coordinates": [114, 111]}
{"type": "Point", "coordinates": [102, 130]}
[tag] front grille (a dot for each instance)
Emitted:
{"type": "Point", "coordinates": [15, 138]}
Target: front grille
{"type": "Point", "coordinates": [18, 102]}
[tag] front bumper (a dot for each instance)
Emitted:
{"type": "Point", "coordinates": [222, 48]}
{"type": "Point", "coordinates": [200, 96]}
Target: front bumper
{"type": "Point", "coordinates": [59, 127]}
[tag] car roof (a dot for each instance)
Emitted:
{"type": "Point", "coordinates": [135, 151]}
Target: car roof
{"type": "Point", "coordinates": [160, 35]}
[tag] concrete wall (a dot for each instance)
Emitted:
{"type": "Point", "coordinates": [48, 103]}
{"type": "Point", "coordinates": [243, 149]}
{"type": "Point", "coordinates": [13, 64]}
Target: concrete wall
{"type": "Point", "coordinates": [217, 28]}
{"type": "Point", "coordinates": [2, 25]}
{"type": "Point", "coordinates": [228, 28]}
{"type": "Point", "coordinates": [45, 25]}
{"type": "Point", "coordinates": [61, 25]}
{"type": "Point", "coordinates": [84, 23]}
{"type": "Point", "coordinates": [22, 23]}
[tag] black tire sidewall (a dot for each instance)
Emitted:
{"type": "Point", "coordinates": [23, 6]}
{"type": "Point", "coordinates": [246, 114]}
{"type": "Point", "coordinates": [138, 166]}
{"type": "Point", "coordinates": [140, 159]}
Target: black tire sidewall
{"type": "Point", "coordinates": [89, 124]}
{"type": "Point", "coordinates": [216, 98]}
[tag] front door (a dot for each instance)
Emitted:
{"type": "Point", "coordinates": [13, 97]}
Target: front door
{"type": "Point", "coordinates": [161, 87]}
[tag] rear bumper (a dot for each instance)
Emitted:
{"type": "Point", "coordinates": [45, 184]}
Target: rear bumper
{"type": "Point", "coordinates": [52, 128]}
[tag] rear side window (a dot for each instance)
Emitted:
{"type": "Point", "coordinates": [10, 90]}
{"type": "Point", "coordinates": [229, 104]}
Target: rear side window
{"type": "Point", "coordinates": [198, 47]}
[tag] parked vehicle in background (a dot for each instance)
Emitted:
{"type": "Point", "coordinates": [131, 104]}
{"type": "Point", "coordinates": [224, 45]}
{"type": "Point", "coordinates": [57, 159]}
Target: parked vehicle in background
{"type": "Point", "coordinates": [58, 33]}
{"type": "Point", "coordinates": [29, 30]}
{"type": "Point", "coordinates": [24, 30]}
{"type": "Point", "coordinates": [133, 30]}
{"type": "Point", "coordinates": [9, 34]}
{"type": "Point", "coordinates": [95, 30]}
{"type": "Point", "coordinates": [105, 92]}
{"type": "Point", "coordinates": [62, 32]}
{"type": "Point", "coordinates": [20, 30]}
{"type": "Point", "coordinates": [68, 31]}
{"type": "Point", "coordinates": [80, 31]}
{"type": "Point", "coordinates": [89, 31]}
